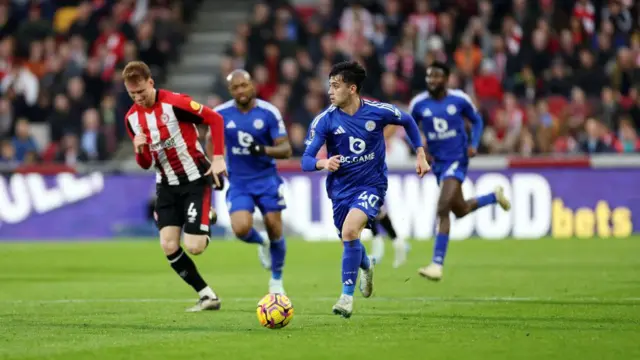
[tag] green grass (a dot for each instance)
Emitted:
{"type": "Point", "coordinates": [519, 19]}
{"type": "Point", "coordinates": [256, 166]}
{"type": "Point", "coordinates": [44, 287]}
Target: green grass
{"type": "Point", "coordinates": [543, 299]}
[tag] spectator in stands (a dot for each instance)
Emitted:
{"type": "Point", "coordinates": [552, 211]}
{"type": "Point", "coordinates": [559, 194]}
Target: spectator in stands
{"type": "Point", "coordinates": [93, 141]}
{"type": "Point", "coordinates": [592, 141]}
{"type": "Point", "coordinates": [59, 118]}
{"type": "Point", "coordinates": [23, 142]}
{"type": "Point", "coordinates": [79, 102]}
{"type": "Point", "coordinates": [628, 141]}
{"type": "Point", "coordinates": [22, 84]}
{"type": "Point", "coordinates": [587, 76]}
{"type": "Point", "coordinates": [7, 153]}
{"type": "Point", "coordinates": [6, 118]}
{"type": "Point", "coordinates": [547, 62]}
{"type": "Point", "coordinates": [70, 152]}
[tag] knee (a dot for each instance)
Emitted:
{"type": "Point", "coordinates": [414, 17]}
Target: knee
{"type": "Point", "coordinates": [241, 229]}
{"type": "Point", "coordinates": [195, 244]}
{"type": "Point", "coordinates": [443, 209]}
{"type": "Point", "coordinates": [350, 233]}
{"type": "Point", "coordinates": [169, 246]}
{"type": "Point", "coordinates": [461, 212]}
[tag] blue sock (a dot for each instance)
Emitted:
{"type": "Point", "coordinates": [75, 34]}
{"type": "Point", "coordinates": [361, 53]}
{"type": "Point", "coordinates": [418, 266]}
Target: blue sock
{"type": "Point", "coordinates": [365, 264]}
{"type": "Point", "coordinates": [351, 259]}
{"type": "Point", "coordinates": [440, 248]}
{"type": "Point", "coordinates": [253, 237]}
{"type": "Point", "coordinates": [278, 250]}
{"type": "Point", "coordinates": [485, 200]}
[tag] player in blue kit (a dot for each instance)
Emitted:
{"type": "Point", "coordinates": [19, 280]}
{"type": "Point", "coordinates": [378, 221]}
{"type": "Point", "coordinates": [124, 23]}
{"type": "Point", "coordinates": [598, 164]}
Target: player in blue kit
{"type": "Point", "coordinates": [442, 112]}
{"type": "Point", "coordinates": [255, 135]}
{"type": "Point", "coordinates": [352, 129]}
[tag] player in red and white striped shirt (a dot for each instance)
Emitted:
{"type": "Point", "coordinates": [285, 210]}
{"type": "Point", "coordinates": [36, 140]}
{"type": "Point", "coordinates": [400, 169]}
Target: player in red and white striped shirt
{"type": "Point", "coordinates": [162, 125]}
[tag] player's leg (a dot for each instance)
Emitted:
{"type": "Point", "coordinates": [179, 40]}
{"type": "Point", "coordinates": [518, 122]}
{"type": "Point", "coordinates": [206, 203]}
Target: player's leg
{"type": "Point", "coordinates": [271, 203]}
{"type": "Point", "coordinates": [277, 249]}
{"type": "Point", "coordinates": [241, 207]}
{"type": "Point", "coordinates": [196, 207]}
{"type": "Point", "coordinates": [399, 243]}
{"type": "Point", "coordinates": [362, 210]}
{"type": "Point", "coordinates": [449, 189]}
{"type": "Point", "coordinates": [462, 207]}
{"type": "Point", "coordinates": [377, 243]}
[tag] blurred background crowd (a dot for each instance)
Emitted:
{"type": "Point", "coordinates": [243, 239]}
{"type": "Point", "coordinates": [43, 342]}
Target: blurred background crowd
{"type": "Point", "coordinates": [549, 76]}
{"type": "Point", "coordinates": [62, 99]}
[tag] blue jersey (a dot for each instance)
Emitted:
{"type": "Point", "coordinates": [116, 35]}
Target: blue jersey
{"type": "Point", "coordinates": [263, 124]}
{"type": "Point", "coordinates": [443, 124]}
{"type": "Point", "coordinates": [359, 140]}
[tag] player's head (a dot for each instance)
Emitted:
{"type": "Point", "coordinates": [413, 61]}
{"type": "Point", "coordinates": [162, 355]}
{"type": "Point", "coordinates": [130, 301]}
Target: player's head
{"type": "Point", "coordinates": [241, 87]}
{"type": "Point", "coordinates": [139, 84]}
{"type": "Point", "coordinates": [345, 81]}
{"type": "Point", "coordinates": [437, 77]}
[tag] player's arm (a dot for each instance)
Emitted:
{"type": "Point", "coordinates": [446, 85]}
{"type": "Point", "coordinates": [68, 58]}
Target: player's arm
{"type": "Point", "coordinates": [315, 139]}
{"type": "Point", "coordinates": [410, 126]}
{"type": "Point", "coordinates": [196, 113]}
{"type": "Point", "coordinates": [281, 148]}
{"type": "Point", "coordinates": [141, 147]}
{"type": "Point", "coordinates": [477, 126]}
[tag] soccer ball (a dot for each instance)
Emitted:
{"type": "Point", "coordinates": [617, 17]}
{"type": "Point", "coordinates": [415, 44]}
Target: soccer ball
{"type": "Point", "coordinates": [274, 311]}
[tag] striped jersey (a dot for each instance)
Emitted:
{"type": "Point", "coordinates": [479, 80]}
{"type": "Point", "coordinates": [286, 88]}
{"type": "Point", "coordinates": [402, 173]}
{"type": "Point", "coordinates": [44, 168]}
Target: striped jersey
{"type": "Point", "coordinates": [170, 126]}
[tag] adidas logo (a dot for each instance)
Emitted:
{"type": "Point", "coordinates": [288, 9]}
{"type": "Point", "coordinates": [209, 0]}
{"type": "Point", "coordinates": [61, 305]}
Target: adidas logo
{"type": "Point", "coordinates": [339, 131]}
{"type": "Point", "coordinates": [231, 125]}
{"type": "Point", "coordinates": [348, 282]}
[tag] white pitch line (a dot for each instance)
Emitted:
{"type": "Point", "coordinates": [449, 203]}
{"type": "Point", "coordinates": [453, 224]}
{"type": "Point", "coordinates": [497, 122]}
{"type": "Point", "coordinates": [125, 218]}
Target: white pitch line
{"type": "Point", "coordinates": [375, 299]}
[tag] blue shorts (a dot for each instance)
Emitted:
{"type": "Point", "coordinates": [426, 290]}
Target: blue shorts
{"type": "Point", "coordinates": [450, 169]}
{"type": "Point", "coordinates": [369, 200]}
{"type": "Point", "coordinates": [267, 194]}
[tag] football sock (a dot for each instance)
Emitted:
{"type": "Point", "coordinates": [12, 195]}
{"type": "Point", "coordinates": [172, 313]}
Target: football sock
{"type": "Point", "coordinates": [253, 237]}
{"type": "Point", "coordinates": [388, 227]}
{"type": "Point", "coordinates": [186, 269]}
{"type": "Point", "coordinates": [485, 200]}
{"type": "Point", "coordinates": [278, 250]}
{"type": "Point", "coordinates": [351, 259]}
{"type": "Point", "coordinates": [365, 263]}
{"type": "Point", "coordinates": [440, 248]}
{"type": "Point", "coordinates": [374, 229]}
{"type": "Point", "coordinates": [207, 291]}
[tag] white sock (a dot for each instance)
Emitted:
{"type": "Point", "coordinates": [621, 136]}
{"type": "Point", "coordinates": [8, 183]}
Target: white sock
{"type": "Point", "coordinates": [207, 292]}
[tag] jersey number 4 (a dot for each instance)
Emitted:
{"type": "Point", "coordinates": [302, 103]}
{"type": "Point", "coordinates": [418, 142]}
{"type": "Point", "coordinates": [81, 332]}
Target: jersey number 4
{"type": "Point", "coordinates": [192, 212]}
{"type": "Point", "coordinates": [369, 200]}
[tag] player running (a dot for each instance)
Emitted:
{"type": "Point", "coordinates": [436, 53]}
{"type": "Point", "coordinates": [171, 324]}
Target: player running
{"type": "Point", "coordinates": [256, 136]}
{"type": "Point", "coordinates": [352, 129]}
{"type": "Point", "coordinates": [162, 125]}
{"type": "Point", "coordinates": [400, 245]}
{"type": "Point", "coordinates": [441, 112]}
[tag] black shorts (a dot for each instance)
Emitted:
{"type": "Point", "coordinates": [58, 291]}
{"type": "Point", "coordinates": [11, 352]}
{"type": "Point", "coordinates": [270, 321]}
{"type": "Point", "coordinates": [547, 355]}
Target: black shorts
{"type": "Point", "coordinates": [187, 205]}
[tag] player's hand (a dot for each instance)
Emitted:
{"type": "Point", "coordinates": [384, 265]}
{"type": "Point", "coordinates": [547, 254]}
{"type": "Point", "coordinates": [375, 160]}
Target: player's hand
{"type": "Point", "coordinates": [257, 149]}
{"type": "Point", "coordinates": [218, 168]}
{"type": "Point", "coordinates": [471, 151]}
{"type": "Point", "coordinates": [422, 166]}
{"type": "Point", "coordinates": [139, 142]}
{"type": "Point", "coordinates": [333, 163]}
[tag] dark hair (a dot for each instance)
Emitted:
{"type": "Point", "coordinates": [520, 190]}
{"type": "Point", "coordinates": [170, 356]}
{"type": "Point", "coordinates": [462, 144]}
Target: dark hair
{"type": "Point", "coordinates": [352, 73]}
{"type": "Point", "coordinates": [442, 66]}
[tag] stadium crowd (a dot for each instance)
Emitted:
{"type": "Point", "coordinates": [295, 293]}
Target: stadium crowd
{"type": "Point", "coordinates": [62, 98]}
{"type": "Point", "coordinates": [549, 76]}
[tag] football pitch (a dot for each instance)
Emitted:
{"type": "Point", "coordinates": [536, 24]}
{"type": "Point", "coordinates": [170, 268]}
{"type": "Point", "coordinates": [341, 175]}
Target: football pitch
{"type": "Point", "coordinates": [513, 299]}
